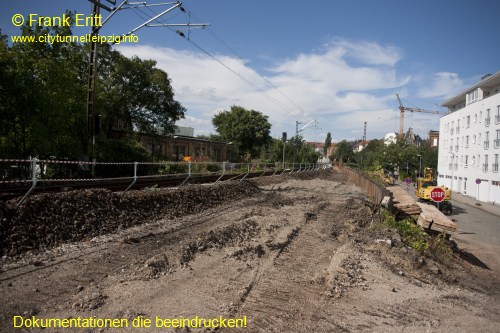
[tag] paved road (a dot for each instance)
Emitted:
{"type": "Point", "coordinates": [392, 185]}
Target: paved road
{"type": "Point", "coordinates": [478, 227]}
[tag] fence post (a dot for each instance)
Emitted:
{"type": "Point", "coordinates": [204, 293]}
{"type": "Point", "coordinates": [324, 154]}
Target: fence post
{"type": "Point", "coordinates": [248, 172]}
{"type": "Point", "coordinates": [33, 181]}
{"type": "Point", "coordinates": [189, 174]}
{"type": "Point", "coordinates": [223, 172]}
{"type": "Point", "coordinates": [135, 177]}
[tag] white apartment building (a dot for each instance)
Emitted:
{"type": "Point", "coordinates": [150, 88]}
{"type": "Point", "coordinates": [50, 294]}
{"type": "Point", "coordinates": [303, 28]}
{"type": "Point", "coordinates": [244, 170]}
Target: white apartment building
{"type": "Point", "coordinates": [469, 141]}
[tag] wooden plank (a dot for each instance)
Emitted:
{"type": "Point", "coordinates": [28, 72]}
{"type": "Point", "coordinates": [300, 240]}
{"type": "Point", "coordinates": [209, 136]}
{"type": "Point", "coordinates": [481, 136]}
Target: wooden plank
{"type": "Point", "coordinates": [429, 216]}
{"type": "Point", "coordinates": [433, 219]}
{"type": "Point", "coordinates": [403, 202]}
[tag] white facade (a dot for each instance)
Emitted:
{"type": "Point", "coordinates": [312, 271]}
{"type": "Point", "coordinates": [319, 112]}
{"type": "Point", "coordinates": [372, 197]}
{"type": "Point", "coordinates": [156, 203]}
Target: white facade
{"type": "Point", "coordinates": [390, 138]}
{"type": "Point", "coordinates": [469, 142]}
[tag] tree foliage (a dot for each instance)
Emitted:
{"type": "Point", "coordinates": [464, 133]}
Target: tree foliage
{"type": "Point", "coordinates": [296, 151]}
{"type": "Point", "coordinates": [408, 160]}
{"type": "Point", "coordinates": [248, 129]}
{"type": "Point", "coordinates": [328, 143]}
{"type": "Point", "coordinates": [136, 92]}
{"type": "Point", "coordinates": [343, 152]}
{"type": "Point", "coordinates": [43, 93]}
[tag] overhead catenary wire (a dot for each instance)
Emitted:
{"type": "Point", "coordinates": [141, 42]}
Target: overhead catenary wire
{"type": "Point", "coordinates": [257, 88]}
{"type": "Point", "coordinates": [213, 33]}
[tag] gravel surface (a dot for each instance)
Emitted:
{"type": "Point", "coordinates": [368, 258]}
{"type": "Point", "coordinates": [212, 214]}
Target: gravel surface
{"type": "Point", "coordinates": [298, 253]}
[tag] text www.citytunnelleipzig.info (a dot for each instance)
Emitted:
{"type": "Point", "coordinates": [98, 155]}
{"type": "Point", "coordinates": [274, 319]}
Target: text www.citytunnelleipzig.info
{"type": "Point", "coordinates": [51, 39]}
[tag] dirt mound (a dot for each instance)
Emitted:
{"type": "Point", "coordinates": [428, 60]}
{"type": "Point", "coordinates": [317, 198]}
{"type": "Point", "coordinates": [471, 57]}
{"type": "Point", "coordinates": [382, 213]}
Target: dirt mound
{"type": "Point", "coordinates": [47, 220]}
{"type": "Point", "coordinates": [296, 256]}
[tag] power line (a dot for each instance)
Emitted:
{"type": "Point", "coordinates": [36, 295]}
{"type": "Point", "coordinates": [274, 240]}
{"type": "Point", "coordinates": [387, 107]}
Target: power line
{"type": "Point", "coordinates": [263, 77]}
{"type": "Point", "coordinates": [258, 89]}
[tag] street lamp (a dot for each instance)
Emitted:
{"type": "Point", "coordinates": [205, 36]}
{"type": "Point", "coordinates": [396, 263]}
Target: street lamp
{"type": "Point", "coordinates": [420, 166]}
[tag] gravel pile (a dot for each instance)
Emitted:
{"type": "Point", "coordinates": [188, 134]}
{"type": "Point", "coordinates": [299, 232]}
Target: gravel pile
{"type": "Point", "coordinates": [50, 219]}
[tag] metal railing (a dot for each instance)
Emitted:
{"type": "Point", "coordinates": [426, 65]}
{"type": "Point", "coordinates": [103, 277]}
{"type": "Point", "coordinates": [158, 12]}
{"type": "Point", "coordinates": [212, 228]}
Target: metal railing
{"type": "Point", "coordinates": [34, 172]}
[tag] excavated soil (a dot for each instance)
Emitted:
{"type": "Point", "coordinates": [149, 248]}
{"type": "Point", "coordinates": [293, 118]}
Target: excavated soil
{"type": "Point", "coordinates": [296, 253]}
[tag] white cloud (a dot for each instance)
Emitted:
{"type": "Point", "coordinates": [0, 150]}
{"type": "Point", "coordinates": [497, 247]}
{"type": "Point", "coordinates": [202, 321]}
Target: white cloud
{"type": "Point", "coordinates": [370, 53]}
{"type": "Point", "coordinates": [343, 85]}
{"type": "Point", "coordinates": [443, 85]}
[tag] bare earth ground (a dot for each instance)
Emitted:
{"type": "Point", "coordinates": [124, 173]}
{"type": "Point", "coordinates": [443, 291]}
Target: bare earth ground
{"type": "Point", "coordinates": [303, 255]}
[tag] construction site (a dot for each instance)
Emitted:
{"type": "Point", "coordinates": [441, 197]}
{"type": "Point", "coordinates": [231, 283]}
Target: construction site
{"type": "Point", "coordinates": [303, 252]}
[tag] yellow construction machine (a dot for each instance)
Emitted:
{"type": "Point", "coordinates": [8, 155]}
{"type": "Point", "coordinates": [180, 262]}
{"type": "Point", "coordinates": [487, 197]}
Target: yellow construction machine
{"type": "Point", "coordinates": [426, 185]}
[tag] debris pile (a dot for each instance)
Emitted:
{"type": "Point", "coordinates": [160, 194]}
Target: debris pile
{"type": "Point", "coordinates": [50, 219]}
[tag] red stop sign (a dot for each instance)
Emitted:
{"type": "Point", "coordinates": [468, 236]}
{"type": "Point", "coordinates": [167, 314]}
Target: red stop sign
{"type": "Point", "coordinates": [437, 194]}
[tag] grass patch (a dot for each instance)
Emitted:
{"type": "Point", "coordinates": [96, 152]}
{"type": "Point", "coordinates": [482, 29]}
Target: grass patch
{"type": "Point", "coordinates": [412, 235]}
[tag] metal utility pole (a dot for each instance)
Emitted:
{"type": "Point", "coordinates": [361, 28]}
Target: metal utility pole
{"type": "Point", "coordinates": [283, 138]}
{"type": "Point", "coordinates": [364, 134]}
{"type": "Point", "coordinates": [297, 130]}
{"type": "Point", "coordinates": [92, 119]}
{"type": "Point", "coordinates": [91, 84]}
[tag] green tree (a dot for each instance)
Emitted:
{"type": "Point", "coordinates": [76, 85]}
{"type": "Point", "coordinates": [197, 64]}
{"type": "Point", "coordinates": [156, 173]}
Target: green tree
{"type": "Point", "coordinates": [248, 129]}
{"type": "Point", "coordinates": [43, 92]}
{"type": "Point", "coordinates": [343, 152]}
{"type": "Point", "coordinates": [42, 102]}
{"type": "Point", "coordinates": [137, 93]}
{"type": "Point", "coordinates": [328, 143]}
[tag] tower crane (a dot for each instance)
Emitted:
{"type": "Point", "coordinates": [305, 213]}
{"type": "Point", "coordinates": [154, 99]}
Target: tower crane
{"type": "Point", "coordinates": [402, 110]}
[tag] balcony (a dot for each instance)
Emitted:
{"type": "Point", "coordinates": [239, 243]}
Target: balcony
{"type": "Point", "coordinates": [497, 119]}
{"type": "Point", "coordinates": [458, 130]}
{"type": "Point", "coordinates": [456, 166]}
{"type": "Point", "coordinates": [494, 167]}
{"type": "Point", "coordinates": [485, 167]}
{"type": "Point", "coordinates": [451, 131]}
{"type": "Point", "coordinates": [496, 143]}
{"type": "Point", "coordinates": [487, 121]}
{"type": "Point", "coordinates": [456, 147]}
{"type": "Point", "coordinates": [486, 145]}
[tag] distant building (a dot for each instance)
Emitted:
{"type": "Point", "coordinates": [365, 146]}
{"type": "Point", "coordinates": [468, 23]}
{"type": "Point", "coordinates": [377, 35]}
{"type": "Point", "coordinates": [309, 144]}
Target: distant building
{"type": "Point", "coordinates": [184, 131]}
{"type": "Point", "coordinates": [433, 138]}
{"type": "Point", "coordinates": [179, 148]}
{"type": "Point", "coordinates": [412, 139]}
{"type": "Point", "coordinates": [469, 141]}
{"type": "Point", "coordinates": [318, 147]}
{"type": "Point", "coordinates": [360, 145]}
{"type": "Point", "coordinates": [390, 138]}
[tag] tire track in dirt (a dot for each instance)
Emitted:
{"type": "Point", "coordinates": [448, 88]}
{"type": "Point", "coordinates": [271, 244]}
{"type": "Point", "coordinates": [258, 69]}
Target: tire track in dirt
{"type": "Point", "coordinates": [290, 281]}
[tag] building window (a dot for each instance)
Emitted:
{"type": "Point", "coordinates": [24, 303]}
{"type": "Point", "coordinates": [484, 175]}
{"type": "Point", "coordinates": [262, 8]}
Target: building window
{"type": "Point", "coordinates": [466, 161]}
{"type": "Point", "coordinates": [497, 139]}
{"type": "Point", "coordinates": [468, 121]}
{"type": "Point", "coordinates": [466, 141]}
{"type": "Point", "coordinates": [497, 116]}
{"type": "Point", "coordinates": [487, 119]}
{"type": "Point", "coordinates": [487, 140]}
{"type": "Point", "coordinates": [485, 165]}
{"type": "Point", "coordinates": [474, 140]}
{"type": "Point", "coordinates": [472, 96]}
{"type": "Point", "coordinates": [495, 164]}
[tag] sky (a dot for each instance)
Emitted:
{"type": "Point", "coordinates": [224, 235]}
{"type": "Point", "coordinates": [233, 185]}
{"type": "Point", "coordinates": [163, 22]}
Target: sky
{"type": "Point", "coordinates": [329, 64]}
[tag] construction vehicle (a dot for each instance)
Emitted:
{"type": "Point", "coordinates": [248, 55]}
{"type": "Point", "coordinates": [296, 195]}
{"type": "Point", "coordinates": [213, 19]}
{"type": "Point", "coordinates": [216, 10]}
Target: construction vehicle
{"type": "Point", "coordinates": [424, 187]}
